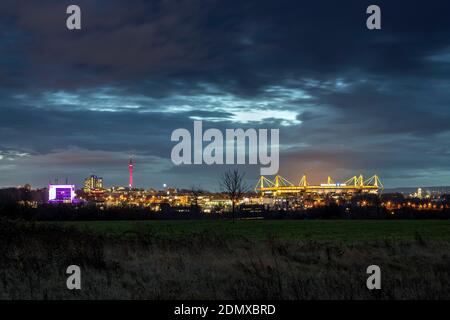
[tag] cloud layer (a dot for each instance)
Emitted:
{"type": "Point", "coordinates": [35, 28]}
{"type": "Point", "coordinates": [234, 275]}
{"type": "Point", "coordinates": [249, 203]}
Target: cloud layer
{"type": "Point", "coordinates": [347, 100]}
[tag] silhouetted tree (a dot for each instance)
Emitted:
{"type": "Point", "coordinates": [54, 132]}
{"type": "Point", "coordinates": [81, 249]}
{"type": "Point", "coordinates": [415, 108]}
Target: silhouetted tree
{"type": "Point", "coordinates": [232, 183]}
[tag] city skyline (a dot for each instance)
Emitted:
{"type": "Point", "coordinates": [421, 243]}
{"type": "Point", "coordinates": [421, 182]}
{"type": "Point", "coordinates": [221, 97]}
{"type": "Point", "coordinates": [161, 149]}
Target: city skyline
{"type": "Point", "coordinates": [94, 181]}
{"type": "Point", "coordinates": [347, 100]}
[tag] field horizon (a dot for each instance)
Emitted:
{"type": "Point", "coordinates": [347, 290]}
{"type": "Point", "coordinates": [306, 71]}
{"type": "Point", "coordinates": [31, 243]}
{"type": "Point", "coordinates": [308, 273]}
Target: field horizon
{"type": "Point", "coordinates": [286, 230]}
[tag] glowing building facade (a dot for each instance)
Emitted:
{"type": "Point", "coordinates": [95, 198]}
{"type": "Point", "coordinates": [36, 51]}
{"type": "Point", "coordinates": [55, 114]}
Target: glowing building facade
{"type": "Point", "coordinates": [61, 193]}
{"type": "Point", "coordinates": [93, 183]}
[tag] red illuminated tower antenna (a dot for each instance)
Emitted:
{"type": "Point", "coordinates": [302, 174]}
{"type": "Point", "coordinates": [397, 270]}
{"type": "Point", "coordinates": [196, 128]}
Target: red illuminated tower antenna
{"type": "Point", "coordinates": [130, 168]}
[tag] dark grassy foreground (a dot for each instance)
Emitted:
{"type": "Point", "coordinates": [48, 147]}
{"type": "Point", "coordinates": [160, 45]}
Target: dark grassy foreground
{"type": "Point", "coordinates": [222, 260]}
{"type": "Point", "coordinates": [348, 231]}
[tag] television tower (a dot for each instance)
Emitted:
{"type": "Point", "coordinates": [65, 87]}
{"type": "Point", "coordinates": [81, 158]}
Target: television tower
{"type": "Point", "coordinates": [130, 168]}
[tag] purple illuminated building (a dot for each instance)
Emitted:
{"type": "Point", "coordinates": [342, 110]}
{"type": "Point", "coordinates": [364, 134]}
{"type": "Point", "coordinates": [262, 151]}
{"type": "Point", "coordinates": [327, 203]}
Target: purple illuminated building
{"type": "Point", "coordinates": [61, 193]}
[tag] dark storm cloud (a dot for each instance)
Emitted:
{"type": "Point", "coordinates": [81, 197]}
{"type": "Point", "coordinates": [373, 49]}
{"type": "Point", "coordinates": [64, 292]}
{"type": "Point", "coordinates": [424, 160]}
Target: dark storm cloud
{"type": "Point", "coordinates": [346, 99]}
{"type": "Point", "coordinates": [240, 46]}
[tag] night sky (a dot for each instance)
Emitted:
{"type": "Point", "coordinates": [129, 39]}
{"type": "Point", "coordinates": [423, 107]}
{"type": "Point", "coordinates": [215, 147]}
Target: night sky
{"type": "Point", "coordinates": [347, 100]}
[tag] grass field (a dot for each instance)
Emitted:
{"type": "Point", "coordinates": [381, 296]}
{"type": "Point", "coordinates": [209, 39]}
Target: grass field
{"type": "Point", "coordinates": [249, 259]}
{"type": "Point", "coordinates": [346, 231]}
